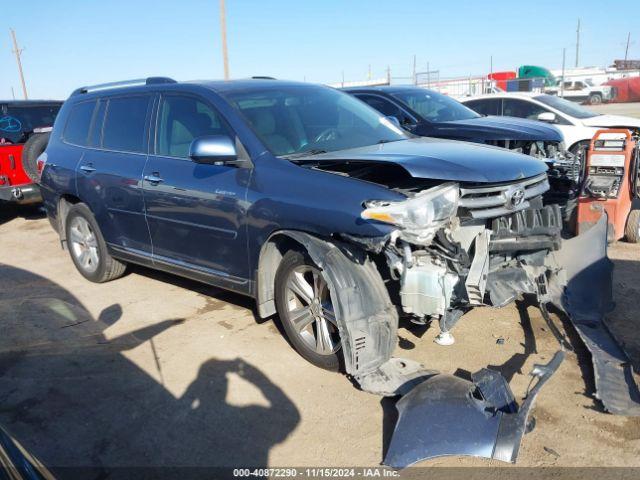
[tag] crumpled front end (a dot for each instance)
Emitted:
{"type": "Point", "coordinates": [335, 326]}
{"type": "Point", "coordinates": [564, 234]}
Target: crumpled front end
{"type": "Point", "coordinates": [501, 243]}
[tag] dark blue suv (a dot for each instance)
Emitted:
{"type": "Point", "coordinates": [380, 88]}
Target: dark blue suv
{"type": "Point", "coordinates": [304, 198]}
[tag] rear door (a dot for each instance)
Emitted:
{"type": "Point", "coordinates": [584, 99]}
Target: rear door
{"type": "Point", "coordinates": [195, 211]}
{"type": "Point", "coordinates": [110, 171]}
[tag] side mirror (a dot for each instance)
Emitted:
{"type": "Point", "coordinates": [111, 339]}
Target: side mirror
{"type": "Point", "coordinates": [213, 150]}
{"type": "Point", "coordinates": [548, 117]}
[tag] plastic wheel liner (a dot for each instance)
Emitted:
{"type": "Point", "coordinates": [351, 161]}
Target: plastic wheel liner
{"type": "Point", "coordinates": [586, 297]}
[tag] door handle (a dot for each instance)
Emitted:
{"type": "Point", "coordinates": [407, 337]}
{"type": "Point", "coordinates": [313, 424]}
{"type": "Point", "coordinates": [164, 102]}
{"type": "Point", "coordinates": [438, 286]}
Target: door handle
{"type": "Point", "coordinates": [87, 168]}
{"type": "Point", "coordinates": [153, 179]}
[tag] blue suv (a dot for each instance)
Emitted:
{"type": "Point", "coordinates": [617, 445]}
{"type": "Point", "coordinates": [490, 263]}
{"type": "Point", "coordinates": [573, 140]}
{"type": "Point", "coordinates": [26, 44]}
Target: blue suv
{"type": "Point", "coordinates": [327, 214]}
{"type": "Point", "coordinates": [304, 198]}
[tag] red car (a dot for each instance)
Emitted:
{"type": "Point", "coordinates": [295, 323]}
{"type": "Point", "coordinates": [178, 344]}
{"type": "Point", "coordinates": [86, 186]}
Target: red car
{"type": "Point", "coordinates": [24, 127]}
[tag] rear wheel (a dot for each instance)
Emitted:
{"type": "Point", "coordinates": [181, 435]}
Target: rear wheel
{"type": "Point", "coordinates": [595, 99]}
{"type": "Point", "coordinates": [304, 304]}
{"type": "Point", "coordinates": [632, 230]}
{"type": "Point", "coordinates": [33, 148]}
{"type": "Point", "coordinates": [87, 247]}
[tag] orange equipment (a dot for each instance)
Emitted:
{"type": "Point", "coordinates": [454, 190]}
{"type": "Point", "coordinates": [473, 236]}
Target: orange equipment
{"type": "Point", "coordinates": [611, 184]}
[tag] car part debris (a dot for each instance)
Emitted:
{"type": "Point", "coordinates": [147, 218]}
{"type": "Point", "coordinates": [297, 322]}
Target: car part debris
{"type": "Point", "coordinates": [586, 299]}
{"type": "Point", "coordinates": [447, 415]}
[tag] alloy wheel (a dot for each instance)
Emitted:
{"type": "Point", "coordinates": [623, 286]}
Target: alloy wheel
{"type": "Point", "coordinates": [84, 245]}
{"type": "Point", "coordinates": [311, 311]}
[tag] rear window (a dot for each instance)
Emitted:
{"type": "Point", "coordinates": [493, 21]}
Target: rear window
{"type": "Point", "coordinates": [76, 130]}
{"type": "Point", "coordinates": [124, 125]}
{"type": "Point", "coordinates": [17, 121]}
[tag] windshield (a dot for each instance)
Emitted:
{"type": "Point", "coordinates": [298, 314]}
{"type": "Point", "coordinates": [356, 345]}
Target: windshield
{"type": "Point", "coordinates": [292, 120]}
{"type": "Point", "coordinates": [17, 121]}
{"type": "Point", "coordinates": [565, 106]}
{"type": "Point", "coordinates": [434, 107]}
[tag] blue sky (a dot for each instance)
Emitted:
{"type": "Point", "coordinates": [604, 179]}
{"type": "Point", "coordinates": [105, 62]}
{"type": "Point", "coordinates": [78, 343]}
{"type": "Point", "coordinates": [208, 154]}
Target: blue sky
{"type": "Point", "coordinates": [69, 43]}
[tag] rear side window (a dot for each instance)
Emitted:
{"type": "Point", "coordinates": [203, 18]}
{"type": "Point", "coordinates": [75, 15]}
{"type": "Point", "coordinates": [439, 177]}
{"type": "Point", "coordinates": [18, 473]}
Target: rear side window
{"type": "Point", "coordinates": [182, 119]}
{"type": "Point", "coordinates": [124, 124]}
{"type": "Point", "coordinates": [486, 107]}
{"type": "Point", "coordinates": [76, 130]}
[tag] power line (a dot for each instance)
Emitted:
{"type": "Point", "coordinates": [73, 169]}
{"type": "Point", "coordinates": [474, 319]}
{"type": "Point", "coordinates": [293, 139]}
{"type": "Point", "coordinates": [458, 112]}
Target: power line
{"type": "Point", "coordinates": [18, 53]}
{"type": "Point", "coordinates": [626, 50]}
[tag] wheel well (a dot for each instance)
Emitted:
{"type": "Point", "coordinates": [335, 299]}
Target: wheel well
{"type": "Point", "coordinates": [64, 205]}
{"type": "Point", "coordinates": [271, 255]}
{"type": "Point", "coordinates": [586, 140]}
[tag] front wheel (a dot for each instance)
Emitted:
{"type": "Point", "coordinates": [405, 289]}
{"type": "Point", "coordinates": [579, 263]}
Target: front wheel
{"type": "Point", "coordinates": [87, 247]}
{"type": "Point", "coordinates": [304, 305]}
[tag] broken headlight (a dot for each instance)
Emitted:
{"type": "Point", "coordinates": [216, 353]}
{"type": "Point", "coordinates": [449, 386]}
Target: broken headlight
{"type": "Point", "coordinates": [427, 209]}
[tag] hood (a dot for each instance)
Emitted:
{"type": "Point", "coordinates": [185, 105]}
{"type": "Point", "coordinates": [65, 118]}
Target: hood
{"type": "Point", "coordinates": [436, 159]}
{"type": "Point", "coordinates": [496, 128]}
{"type": "Point", "coordinates": [612, 121]}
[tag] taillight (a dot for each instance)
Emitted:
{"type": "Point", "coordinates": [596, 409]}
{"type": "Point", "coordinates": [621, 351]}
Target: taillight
{"type": "Point", "coordinates": [41, 162]}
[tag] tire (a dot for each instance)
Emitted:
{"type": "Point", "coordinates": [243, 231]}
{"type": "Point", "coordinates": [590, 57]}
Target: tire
{"type": "Point", "coordinates": [632, 229]}
{"type": "Point", "coordinates": [595, 99]}
{"type": "Point", "coordinates": [318, 341]}
{"type": "Point", "coordinates": [87, 247]}
{"type": "Point", "coordinates": [32, 149]}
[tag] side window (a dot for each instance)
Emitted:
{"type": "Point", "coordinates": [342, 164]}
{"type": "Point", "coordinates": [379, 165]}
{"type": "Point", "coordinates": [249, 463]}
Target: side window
{"type": "Point", "coordinates": [124, 125]}
{"type": "Point", "coordinates": [385, 107]}
{"type": "Point", "coordinates": [76, 130]}
{"type": "Point", "coordinates": [522, 109]}
{"type": "Point", "coordinates": [490, 106]}
{"type": "Point", "coordinates": [183, 118]}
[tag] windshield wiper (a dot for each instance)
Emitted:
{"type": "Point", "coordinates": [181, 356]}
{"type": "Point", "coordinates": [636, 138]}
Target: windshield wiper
{"type": "Point", "coordinates": [306, 153]}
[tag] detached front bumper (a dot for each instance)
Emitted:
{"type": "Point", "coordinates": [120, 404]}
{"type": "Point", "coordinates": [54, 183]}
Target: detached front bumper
{"type": "Point", "coordinates": [21, 194]}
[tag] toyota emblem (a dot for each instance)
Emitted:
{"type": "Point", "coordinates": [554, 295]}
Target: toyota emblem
{"type": "Point", "coordinates": [514, 197]}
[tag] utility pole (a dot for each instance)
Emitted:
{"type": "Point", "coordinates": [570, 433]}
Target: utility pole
{"type": "Point", "coordinates": [223, 30]}
{"type": "Point", "coordinates": [343, 78]}
{"type": "Point", "coordinates": [13, 94]}
{"type": "Point", "coordinates": [415, 78]}
{"type": "Point", "coordinates": [369, 74]}
{"type": "Point", "coordinates": [428, 76]}
{"type": "Point", "coordinates": [578, 44]}
{"type": "Point", "coordinates": [388, 75]}
{"type": "Point", "coordinates": [18, 53]}
{"type": "Point", "coordinates": [564, 51]}
{"type": "Point", "coordinates": [626, 50]}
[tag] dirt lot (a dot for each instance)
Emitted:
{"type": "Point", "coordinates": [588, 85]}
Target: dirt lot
{"type": "Point", "coordinates": [155, 370]}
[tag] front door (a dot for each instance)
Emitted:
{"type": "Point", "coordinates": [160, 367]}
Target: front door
{"type": "Point", "coordinates": [195, 212]}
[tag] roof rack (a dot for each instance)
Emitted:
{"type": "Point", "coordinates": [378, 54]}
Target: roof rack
{"type": "Point", "coordinates": [262, 77]}
{"type": "Point", "coordinates": [125, 83]}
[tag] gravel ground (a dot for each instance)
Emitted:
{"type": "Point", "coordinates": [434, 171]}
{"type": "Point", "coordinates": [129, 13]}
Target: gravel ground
{"type": "Point", "coordinates": [153, 370]}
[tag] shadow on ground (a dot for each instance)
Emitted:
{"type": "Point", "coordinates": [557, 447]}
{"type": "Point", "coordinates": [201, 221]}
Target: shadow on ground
{"type": "Point", "coordinates": [72, 398]}
{"type": "Point", "coordinates": [9, 212]}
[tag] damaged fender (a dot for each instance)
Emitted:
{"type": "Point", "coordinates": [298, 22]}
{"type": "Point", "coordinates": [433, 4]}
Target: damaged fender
{"type": "Point", "coordinates": [586, 298]}
{"type": "Point", "coordinates": [447, 415]}
{"type": "Point", "coordinates": [367, 320]}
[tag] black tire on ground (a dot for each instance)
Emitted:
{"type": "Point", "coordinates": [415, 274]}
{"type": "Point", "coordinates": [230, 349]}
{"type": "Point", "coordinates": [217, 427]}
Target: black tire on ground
{"type": "Point", "coordinates": [106, 267]}
{"type": "Point", "coordinates": [32, 149]}
{"type": "Point", "coordinates": [632, 230]}
{"type": "Point", "coordinates": [291, 261]}
{"type": "Point", "coordinates": [595, 99]}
